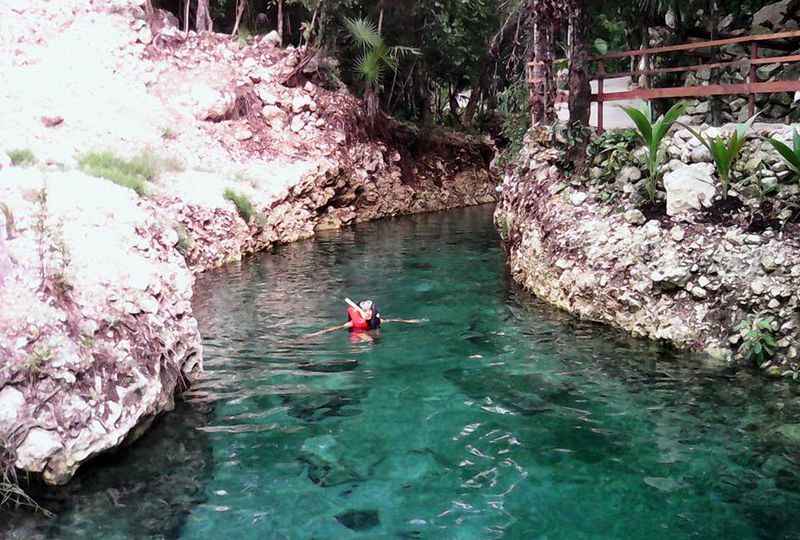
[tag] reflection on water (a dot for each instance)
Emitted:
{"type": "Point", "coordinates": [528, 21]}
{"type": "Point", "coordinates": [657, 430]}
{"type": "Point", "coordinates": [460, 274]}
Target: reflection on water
{"type": "Point", "coordinates": [500, 418]}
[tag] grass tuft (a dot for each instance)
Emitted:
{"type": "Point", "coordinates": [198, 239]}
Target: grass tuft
{"type": "Point", "coordinates": [22, 157]}
{"type": "Point", "coordinates": [134, 173]}
{"type": "Point", "coordinates": [244, 205]}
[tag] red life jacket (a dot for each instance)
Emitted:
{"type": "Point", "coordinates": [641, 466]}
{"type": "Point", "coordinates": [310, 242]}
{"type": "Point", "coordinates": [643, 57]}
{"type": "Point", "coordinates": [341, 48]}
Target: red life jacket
{"type": "Point", "coordinates": [359, 323]}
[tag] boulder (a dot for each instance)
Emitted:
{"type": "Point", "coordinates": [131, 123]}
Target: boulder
{"type": "Point", "coordinates": [273, 39]}
{"type": "Point", "coordinates": [629, 174]}
{"type": "Point", "coordinates": [578, 198]}
{"type": "Point", "coordinates": [298, 124]}
{"type": "Point", "coordinates": [271, 112]}
{"type": "Point", "coordinates": [210, 103]}
{"type": "Point", "coordinates": [770, 17]}
{"type": "Point", "coordinates": [671, 275]}
{"type": "Point", "coordinates": [266, 97]}
{"type": "Point", "coordinates": [303, 102]}
{"type": "Point", "coordinates": [689, 188]}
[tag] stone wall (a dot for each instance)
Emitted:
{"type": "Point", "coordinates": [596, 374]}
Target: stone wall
{"type": "Point", "coordinates": [687, 278]}
{"type": "Point", "coordinates": [782, 16]}
{"type": "Point", "coordinates": [97, 333]}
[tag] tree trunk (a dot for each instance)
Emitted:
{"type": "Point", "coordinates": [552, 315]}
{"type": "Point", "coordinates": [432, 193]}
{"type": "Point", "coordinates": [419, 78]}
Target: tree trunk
{"type": "Point", "coordinates": [579, 89]}
{"type": "Point", "coordinates": [489, 61]}
{"type": "Point", "coordinates": [149, 12]}
{"type": "Point", "coordinates": [454, 105]}
{"type": "Point", "coordinates": [204, 22]}
{"type": "Point", "coordinates": [372, 107]}
{"type": "Point", "coordinates": [239, 13]}
{"type": "Point", "coordinates": [280, 20]}
{"type": "Point", "coordinates": [186, 16]}
{"type": "Point", "coordinates": [580, 92]}
{"type": "Point", "coordinates": [544, 90]}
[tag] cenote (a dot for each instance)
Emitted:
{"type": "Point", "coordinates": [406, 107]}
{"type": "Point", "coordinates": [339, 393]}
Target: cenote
{"type": "Point", "coordinates": [498, 418]}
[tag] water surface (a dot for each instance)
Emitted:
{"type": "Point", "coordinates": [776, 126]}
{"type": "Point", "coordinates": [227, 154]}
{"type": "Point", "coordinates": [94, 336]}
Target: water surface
{"type": "Point", "coordinates": [499, 418]}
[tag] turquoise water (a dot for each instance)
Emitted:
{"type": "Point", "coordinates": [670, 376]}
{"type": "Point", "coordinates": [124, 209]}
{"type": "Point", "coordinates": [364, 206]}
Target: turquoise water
{"type": "Point", "coordinates": [498, 418]}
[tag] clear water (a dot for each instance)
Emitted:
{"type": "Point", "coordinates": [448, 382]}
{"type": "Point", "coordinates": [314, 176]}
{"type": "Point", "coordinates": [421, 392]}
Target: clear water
{"type": "Point", "coordinates": [499, 418]}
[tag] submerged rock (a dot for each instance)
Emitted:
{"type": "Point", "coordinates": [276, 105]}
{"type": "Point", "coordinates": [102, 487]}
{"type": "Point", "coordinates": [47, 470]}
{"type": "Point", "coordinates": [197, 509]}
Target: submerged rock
{"type": "Point", "coordinates": [359, 520]}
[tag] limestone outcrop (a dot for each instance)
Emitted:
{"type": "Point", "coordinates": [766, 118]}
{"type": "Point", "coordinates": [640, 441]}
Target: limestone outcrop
{"type": "Point", "coordinates": [689, 280]}
{"type": "Point", "coordinates": [172, 154]}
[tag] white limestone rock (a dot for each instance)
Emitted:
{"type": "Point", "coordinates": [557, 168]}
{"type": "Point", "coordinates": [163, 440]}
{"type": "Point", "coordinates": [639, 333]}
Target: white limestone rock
{"type": "Point", "coordinates": [689, 188]}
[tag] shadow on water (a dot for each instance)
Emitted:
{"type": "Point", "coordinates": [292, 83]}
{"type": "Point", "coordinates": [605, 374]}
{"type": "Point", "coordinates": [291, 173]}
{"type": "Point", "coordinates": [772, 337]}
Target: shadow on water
{"type": "Point", "coordinates": [144, 491]}
{"type": "Point", "coordinates": [499, 418]}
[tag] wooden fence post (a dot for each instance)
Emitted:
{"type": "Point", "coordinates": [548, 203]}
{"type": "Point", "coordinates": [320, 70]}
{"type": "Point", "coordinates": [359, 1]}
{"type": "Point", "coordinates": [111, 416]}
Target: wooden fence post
{"type": "Point", "coordinates": [751, 99]}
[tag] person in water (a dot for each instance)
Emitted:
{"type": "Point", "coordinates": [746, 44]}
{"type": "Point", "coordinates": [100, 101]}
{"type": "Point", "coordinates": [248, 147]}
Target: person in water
{"type": "Point", "coordinates": [363, 317]}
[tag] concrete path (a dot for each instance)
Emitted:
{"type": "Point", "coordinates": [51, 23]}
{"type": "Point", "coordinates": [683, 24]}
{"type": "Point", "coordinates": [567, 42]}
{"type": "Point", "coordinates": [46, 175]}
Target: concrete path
{"type": "Point", "coordinates": [613, 116]}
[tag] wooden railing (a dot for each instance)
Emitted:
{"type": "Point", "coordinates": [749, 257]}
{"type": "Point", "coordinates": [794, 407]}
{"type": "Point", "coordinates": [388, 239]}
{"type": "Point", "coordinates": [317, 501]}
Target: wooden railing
{"type": "Point", "coordinates": [750, 88]}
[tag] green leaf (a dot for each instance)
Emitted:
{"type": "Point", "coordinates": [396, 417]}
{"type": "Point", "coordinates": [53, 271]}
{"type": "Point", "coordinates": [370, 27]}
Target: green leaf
{"type": "Point", "coordinates": [791, 158]}
{"type": "Point", "coordinates": [796, 139]}
{"type": "Point", "coordinates": [601, 45]}
{"type": "Point", "coordinates": [363, 32]}
{"type": "Point", "coordinates": [642, 122]}
{"type": "Point", "coordinates": [665, 122]}
{"type": "Point", "coordinates": [369, 67]}
{"type": "Point", "coordinates": [769, 340]}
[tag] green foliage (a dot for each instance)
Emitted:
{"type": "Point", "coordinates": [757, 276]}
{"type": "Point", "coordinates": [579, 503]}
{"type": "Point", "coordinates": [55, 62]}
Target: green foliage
{"type": "Point", "coordinates": [243, 35]}
{"type": "Point", "coordinates": [759, 345]}
{"type": "Point", "coordinates": [565, 138]}
{"type": "Point", "coordinates": [790, 155]}
{"type": "Point", "coordinates": [614, 150]}
{"type": "Point", "coordinates": [133, 174]}
{"type": "Point", "coordinates": [515, 116]}
{"type": "Point", "coordinates": [12, 496]}
{"type": "Point", "coordinates": [651, 134]}
{"type": "Point", "coordinates": [376, 57]}
{"type": "Point", "coordinates": [244, 205]}
{"type": "Point", "coordinates": [185, 243]}
{"type": "Point", "coordinates": [22, 157]}
{"type": "Point", "coordinates": [725, 151]}
{"type": "Point", "coordinates": [168, 133]}
{"type": "Point", "coordinates": [39, 357]}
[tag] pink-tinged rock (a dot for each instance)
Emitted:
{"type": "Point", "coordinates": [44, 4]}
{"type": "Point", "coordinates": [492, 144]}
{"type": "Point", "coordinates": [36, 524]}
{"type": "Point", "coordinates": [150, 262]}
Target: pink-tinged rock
{"type": "Point", "coordinates": [37, 447]}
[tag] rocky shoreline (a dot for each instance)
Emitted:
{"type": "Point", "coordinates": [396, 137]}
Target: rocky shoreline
{"type": "Point", "coordinates": [97, 333]}
{"type": "Point", "coordinates": [681, 279]}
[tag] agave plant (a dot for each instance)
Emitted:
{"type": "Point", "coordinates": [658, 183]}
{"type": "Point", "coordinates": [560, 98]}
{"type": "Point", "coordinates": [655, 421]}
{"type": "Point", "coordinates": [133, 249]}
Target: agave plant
{"type": "Point", "coordinates": [790, 155]}
{"type": "Point", "coordinates": [375, 60]}
{"type": "Point", "coordinates": [652, 133]}
{"type": "Point", "coordinates": [725, 151]}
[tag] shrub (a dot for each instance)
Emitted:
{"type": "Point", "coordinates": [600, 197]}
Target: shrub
{"type": "Point", "coordinates": [242, 202]}
{"type": "Point", "coordinates": [725, 151]}
{"type": "Point", "coordinates": [790, 155]}
{"type": "Point", "coordinates": [133, 174]}
{"type": "Point", "coordinates": [614, 150]}
{"type": "Point", "coordinates": [758, 345]}
{"type": "Point", "coordinates": [22, 157]}
{"type": "Point", "coordinates": [185, 243]}
{"type": "Point", "coordinates": [168, 133]}
{"type": "Point", "coordinates": [652, 133]}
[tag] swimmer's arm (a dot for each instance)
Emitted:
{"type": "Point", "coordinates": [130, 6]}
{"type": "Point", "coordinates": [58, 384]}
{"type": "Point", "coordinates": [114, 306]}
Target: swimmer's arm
{"type": "Point", "coordinates": [348, 324]}
{"type": "Point", "coordinates": [407, 321]}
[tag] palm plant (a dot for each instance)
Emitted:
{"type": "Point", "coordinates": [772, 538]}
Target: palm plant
{"type": "Point", "coordinates": [375, 59]}
{"type": "Point", "coordinates": [725, 151]}
{"type": "Point", "coordinates": [790, 155]}
{"type": "Point", "coordinates": [652, 133]}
